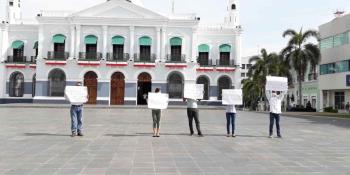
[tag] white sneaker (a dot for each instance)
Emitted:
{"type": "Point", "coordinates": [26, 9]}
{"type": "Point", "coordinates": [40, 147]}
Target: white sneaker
{"type": "Point", "coordinates": [270, 137]}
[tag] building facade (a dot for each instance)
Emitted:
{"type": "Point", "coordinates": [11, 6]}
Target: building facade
{"type": "Point", "coordinates": [120, 50]}
{"type": "Point", "coordinates": [334, 80]}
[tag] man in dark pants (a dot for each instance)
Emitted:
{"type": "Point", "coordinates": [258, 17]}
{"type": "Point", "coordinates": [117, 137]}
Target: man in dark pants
{"type": "Point", "coordinates": [275, 100]}
{"type": "Point", "coordinates": [192, 113]}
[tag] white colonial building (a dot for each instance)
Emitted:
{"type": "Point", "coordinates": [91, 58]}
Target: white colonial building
{"type": "Point", "coordinates": [120, 50]}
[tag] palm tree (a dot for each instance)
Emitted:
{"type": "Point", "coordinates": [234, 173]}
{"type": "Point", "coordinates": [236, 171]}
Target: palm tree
{"type": "Point", "coordinates": [300, 53]}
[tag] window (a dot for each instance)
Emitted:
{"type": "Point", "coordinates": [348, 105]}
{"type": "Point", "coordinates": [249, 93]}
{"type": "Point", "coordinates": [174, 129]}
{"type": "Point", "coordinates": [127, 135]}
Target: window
{"type": "Point", "coordinates": [342, 66]}
{"type": "Point", "coordinates": [175, 86]}
{"type": "Point", "coordinates": [249, 66]}
{"type": "Point", "coordinates": [335, 41]}
{"type": "Point", "coordinates": [223, 83]}
{"type": "Point", "coordinates": [337, 67]}
{"type": "Point", "coordinates": [176, 45]}
{"type": "Point", "coordinates": [145, 48]}
{"type": "Point", "coordinates": [118, 47]}
{"type": "Point", "coordinates": [339, 100]}
{"type": "Point", "coordinates": [11, 3]}
{"type": "Point", "coordinates": [242, 75]}
{"type": "Point", "coordinates": [243, 66]}
{"type": "Point", "coordinates": [57, 83]}
{"type": "Point", "coordinates": [327, 69]}
{"type": "Point", "coordinates": [233, 7]}
{"type": "Point", "coordinates": [16, 85]}
{"type": "Point", "coordinates": [203, 55]}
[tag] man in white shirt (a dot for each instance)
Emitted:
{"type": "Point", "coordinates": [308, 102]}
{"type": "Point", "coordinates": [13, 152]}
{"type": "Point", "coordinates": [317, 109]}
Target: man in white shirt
{"type": "Point", "coordinates": [275, 100]}
{"type": "Point", "coordinates": [76, 113]}
{"type": "Point", "coordinates": [192, 113]}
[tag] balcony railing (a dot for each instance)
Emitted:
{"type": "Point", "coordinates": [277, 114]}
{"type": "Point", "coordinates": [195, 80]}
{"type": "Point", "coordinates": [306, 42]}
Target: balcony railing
{"type": "Point", "coordinates": [225, 63]}
{"type": "Point", "coordinates": [140, 58]}
{"type": "Point", "coordinates": [312, 76]}
{"type": "Point", "coordinates": [17, 59]}
{"type": "Point", "coordinates": [90, 56]}
{"type": "Point", "coordinates": [176, 58]}
{"type": "Point", "coordinates": [205, 63]}
{"type": "Point", "coordinates": [32, 60]}
{"type": "Point", "coordinates": [57, 55]}
{"type": "Point", "coordinates": [116, 57]}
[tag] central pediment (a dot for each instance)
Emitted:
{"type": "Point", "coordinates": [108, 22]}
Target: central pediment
{"type": "Point", "coordinates": [119, 9]}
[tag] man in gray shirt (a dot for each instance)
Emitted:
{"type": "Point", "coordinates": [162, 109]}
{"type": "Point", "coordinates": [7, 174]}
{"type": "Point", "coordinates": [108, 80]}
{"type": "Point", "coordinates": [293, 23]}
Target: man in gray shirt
{"type": "Point", "coordinates": [192, 113]}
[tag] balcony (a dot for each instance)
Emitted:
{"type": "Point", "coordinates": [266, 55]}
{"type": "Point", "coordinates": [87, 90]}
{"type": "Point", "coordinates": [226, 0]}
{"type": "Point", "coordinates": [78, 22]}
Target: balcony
{"type": "Point", "coordinates": [225, 63]}
{"type": "Point", "coordinates": [17, 59]}
{"type": "Point", "coordinates": [205, 62]}
{"type": "Point", "coordinates": [175, 58]}
{"type": "Point", "coordinates": [57, 56]}
{"type": "Point", "coordinates": [141, 58]}
{"type": "Point", "coordinates": [90, 56]}
{"type": "Point", "coordinates": [312, 76]}
{"type": "Point", "coordinates": [116, 57]}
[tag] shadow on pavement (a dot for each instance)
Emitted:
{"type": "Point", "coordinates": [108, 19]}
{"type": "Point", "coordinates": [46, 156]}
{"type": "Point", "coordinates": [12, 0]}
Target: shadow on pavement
{"type": "Point", "coordinates": [45, 134]}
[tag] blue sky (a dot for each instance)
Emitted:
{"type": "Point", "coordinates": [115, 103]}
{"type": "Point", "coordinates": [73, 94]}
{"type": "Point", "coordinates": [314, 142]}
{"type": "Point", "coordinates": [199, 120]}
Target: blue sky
{"type": "Point", "coordinates": [263, 20]}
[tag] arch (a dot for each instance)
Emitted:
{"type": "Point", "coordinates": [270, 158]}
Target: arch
{"type": "Point", "coordinates": [206, 82]}
{"type": "Point", "coordinates": [145, 41]}
{"type": "Point", "coordinates": [176, 41]}
{"type": "Point", "coordinates": [83, 72]}
{"type": "Point", "coordinates": [224, 82]}
{"type": "Point", "coordinates": [144, 77]}
{"type": "Point", "coordinates": [18, 44]}
{"type": "Point", "coordinates": [225, 48]}
{"type": "Point", "coordinates": [203, 48]}
{"type": "Point", "coordinates": [59, 38]}
{"type": "Point", "coordinates": [233, 7]}
{"type": "Point", "coordinates": [175, 82]}
{"type": "Point", "coordinates": [117, 88]}
{"type": "Point", "coordinates": [33, 85]}
{"type": "Point", "coordinates": [16, 85]}
{"type": "Point", "coordinates": [118, 40]}
{"type": "Point", "coordinates": [90, 81]}
{"type": "Point", "coordinates": [90, 39]}
{"type": "Point", "coordinates": [57, 82]}
{"type": "Point", "coordinates": [144, 86]}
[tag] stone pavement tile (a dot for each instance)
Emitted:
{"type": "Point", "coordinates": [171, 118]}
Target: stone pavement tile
{"type": "Point", "coordinates": [142, 171]}
{"type": "Point", "coordinates": [93, 171]}
{"type": "Point", "coordinates": [68, 171]}
{"type": "Point", "coordinates": [44, 171]}
{"type": "Point", "coordinates": [118, 171]}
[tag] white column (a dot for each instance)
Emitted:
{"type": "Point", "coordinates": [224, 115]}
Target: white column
{"type": "Point", "coordinates": [41, 40]}
{"type": "Point", "coordinates": [72, 43]}
{"type": "Point", "coordinates": [4, 43]}
{"type": "Point", "coordinates": [132, 41]}
{"type": "Point", "coordinates": [77, 41]}
{"type": "Point", "coordinates": [237, 59]}
{"type": "Point", "coordinates": [105, 41]}
{"type": "Point", "coordinates": [164, 43]}
{"type": "Point", "coordinates": [158, 44]}
{"type": "Point", "coordinates": [193, 45]}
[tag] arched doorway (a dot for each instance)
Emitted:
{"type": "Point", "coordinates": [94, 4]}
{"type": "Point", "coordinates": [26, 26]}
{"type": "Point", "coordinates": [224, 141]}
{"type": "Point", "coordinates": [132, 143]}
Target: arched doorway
{"type": "Point", "coordinates": [117, 89]}
{"type": "Point", "coordinates": [57, 83]}
{"type": "Point", "coordinates": [205, 81]}
{"type": "Point", "coordinates": [144, 86]}
{"type": "Point", "coordinates": [175, 86]}
{"type": "Point", "coordinates": [16, 85]}
{"type": "Point", "coordinates": [224, 82]}
{"type": "Point", "coordinates": [90, 81]}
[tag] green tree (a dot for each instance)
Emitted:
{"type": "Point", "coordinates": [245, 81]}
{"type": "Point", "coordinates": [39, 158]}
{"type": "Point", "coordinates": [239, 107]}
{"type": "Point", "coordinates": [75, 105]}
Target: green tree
{"type": "Point", "coordinates": [300, 53]}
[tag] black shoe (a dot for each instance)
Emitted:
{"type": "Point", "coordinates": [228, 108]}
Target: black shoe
{"type": "Point", "coordinates": [191, 134]}
{"type": "Point", "coordinates": [80, 134]}
{"type": "Point", "coordinates": [200, 135]}
{"type": "Point", "coordinates": [279, 136]}
{"type": "Point", "coordinates": [73, 134]}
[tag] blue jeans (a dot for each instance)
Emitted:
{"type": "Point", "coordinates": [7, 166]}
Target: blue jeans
{"type": "Point", "coordinates": [274, 117]}
{"type": "Point", "coordinates": [76, 114]}
{"type": "Point", "coordinates": [230, 117]}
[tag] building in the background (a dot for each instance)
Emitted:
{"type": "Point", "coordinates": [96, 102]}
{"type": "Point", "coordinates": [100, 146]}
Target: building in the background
{"type": "Point", "coordinates": [334, 79]}
{"type": "Point", "coordinates": [245, 67]}
{"type": "Point", "coordinates": [120, 50]}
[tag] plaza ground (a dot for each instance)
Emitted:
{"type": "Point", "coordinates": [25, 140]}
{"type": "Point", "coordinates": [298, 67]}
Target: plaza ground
{"type": "Point", "coordinates": [117, 141]}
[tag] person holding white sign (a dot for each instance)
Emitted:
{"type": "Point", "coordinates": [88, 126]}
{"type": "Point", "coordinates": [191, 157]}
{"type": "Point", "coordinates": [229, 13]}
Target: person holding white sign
{"type": "Point", "coordinates": [156, 115]}
{"type": "Point", "coordinates": [230, 118]}
{"type": "Point", "coordinates": [77, 97]}
{"type": "Point", "coordinates": [192, 113]}
{"type": "Point", "coordinates": [275, 99]}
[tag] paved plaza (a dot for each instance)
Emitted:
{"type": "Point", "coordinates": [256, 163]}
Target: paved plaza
{"type": "Point", "coordinates": [36, 141]}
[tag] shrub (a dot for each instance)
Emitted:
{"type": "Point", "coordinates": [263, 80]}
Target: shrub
{"type": "Point", "coordinates": [330, 110]}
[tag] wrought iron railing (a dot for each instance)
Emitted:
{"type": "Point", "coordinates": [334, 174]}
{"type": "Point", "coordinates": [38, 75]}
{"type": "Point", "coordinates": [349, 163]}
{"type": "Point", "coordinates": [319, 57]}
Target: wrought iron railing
{"type": "Point", "coordinates": [118, 57]}
{"type": "Point", "coordinates": [142, 58]}
{"type": "Point", "coordinates": [176, 58]}
{"type": "Point", "coordinates": [51, 55]}
{"type": "Point", "coordinates": [90, 56]}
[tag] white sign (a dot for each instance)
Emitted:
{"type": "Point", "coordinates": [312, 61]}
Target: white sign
{"type": "Point", "coordinates": [76, 94]}
{"type": "Point", "coordinates": [276, 83]}
{"type": "Point", "coordinates": [194, 91]}
{"type": "Point", "coordinates": [232, 97]}
{"type": "Point", "coordinates": [158, 101]}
